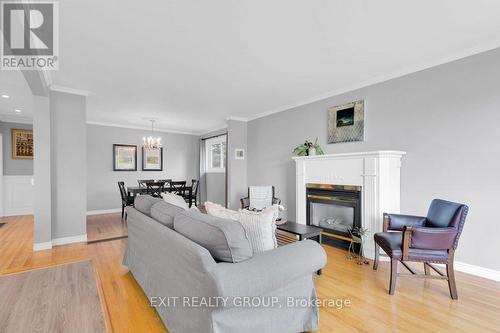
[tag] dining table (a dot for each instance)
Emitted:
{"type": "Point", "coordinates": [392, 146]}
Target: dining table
{"type": "Point", "coordinates": [136, 190]}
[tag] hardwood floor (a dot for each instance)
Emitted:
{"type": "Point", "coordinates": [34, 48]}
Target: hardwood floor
{"type": "Point", "coordinates": [417, 305]}
{"type": "Point", "coordinates": [105, 226]}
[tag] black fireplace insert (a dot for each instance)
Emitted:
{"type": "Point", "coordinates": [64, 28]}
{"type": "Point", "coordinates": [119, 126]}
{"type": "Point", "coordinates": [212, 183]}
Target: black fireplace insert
{"type": "Point", "coordinates": [336, 209]}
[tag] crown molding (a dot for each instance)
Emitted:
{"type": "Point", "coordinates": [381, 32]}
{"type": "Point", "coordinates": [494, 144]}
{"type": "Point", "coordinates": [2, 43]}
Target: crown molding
{"type": "Point", "coordinates": [382, 78]}
{"type": "Point", "coordinates": [69, 90]}
{"type": "Point", "coordinates": [10, 118]}
{"type": "Point", "coordinates": [236, 118]}
{"type": "Point", "coordinates": [215, 129]}
{"type": "Point", "coordinates": [147, 128]}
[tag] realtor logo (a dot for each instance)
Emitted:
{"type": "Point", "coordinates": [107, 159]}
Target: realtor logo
{"type": "Point", "coordinates": [30, 35]}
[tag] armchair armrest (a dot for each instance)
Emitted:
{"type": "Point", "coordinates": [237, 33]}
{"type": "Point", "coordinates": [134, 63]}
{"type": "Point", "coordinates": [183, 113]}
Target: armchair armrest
{"type": "Point", "coordinates": [397, 222]}
{"type": "Point", "coordinates": [270, 270]}
{"type": "Point", "coordinates": [428, 239]}
{"type": "Point", "coordinates": [433, 238]}
{"type": "Point", "coordinates": [245, 202]}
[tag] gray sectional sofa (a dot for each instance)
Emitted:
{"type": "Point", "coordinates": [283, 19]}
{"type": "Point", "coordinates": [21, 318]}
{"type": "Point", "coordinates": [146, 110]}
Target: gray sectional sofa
{"type": "Point", "coordinates": [199, 273]}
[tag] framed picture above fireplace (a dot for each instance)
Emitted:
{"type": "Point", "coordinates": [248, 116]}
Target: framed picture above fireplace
{"type": "Point", "coordinates": [346, 123]}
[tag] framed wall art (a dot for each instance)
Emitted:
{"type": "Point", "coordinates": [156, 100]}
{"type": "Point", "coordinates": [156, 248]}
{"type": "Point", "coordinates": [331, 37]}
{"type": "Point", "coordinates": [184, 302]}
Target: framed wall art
{"type": "Point", "coordinates": [124, 157]}
{"type": "Point", "coordinates": [346, 123]}
{"type": "Point", "coordinates": [22, 144]}
{"type": "Point", "coordinates": [152, 159]}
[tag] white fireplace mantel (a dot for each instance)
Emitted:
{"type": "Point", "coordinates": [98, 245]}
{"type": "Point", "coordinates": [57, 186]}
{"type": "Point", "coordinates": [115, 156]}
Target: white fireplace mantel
{"type": "Point", "coordinates": [377, 172]}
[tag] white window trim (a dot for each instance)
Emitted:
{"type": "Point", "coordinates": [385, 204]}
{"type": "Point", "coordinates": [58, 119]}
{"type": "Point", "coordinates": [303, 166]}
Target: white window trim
{"type": "Point", "coordinates": [208, 145]}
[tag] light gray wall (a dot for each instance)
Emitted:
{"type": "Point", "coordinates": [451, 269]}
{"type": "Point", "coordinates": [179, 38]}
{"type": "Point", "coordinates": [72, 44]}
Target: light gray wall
{"type": "Point", "coordinates": [237, 169]}
{"type": "Point", "coordinates": [446, 119]}
{"type": "Point", "coordinates": [180, 162]}
{"type": "Point", "coordinates": [10, 166]}
{"type": "Point", "coordinates": [216, 187]}
{"type": "Point", "coordinates": [68, 164]}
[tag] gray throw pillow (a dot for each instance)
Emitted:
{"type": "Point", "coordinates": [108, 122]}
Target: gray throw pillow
{"type": "Point", "coordinates": [224, 239]}
{"type": "Point", "coordinates": [164, 213]}
{"type": "Point", "coordinates": [143, 203]}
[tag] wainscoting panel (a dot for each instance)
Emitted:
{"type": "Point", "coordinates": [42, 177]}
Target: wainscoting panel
{"type": "Point", "coordinates": [18, 195]}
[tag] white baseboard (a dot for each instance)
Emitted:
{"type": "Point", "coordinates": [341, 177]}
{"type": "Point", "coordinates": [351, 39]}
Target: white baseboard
{"type": "Point", "coordinates": [463, 267]}
{"type": "Point", "coordinates": [59, 241]}
{"type": "Point", "coordinates": [42, 246]}
{"type": "Point", "coordinates": [104, 211]}
{"type": "Point", "coordinates": [69, 240]}
{"type": "Point", "coordinates": [484, 272]}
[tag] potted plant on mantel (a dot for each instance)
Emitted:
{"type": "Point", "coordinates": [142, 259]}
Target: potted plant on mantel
{"type": "Point", "coordinates": [308, 149]}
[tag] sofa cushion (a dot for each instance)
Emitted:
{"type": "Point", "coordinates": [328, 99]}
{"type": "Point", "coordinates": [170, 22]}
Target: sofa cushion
{"type": "Point", "coordinates": [143, 203]}
{"type": "Point", "coordinates": [165, 212]}
{"type": "Point", "coordinates": [224, 239]}
{"type": "Point", "coordinates": [175, 199]}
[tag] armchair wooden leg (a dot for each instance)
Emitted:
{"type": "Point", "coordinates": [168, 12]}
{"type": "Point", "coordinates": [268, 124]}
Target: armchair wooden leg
{"type": "Point", "coordinates": [123, 210]}
{"type": "Point", "coordinates": [394, 276]}
{"type": "Point", "coordinates": [427, 270]}
{"type": "Point", "coordinates": [375, 261]}
{"type": "Point", "coordinates": [450, 272]}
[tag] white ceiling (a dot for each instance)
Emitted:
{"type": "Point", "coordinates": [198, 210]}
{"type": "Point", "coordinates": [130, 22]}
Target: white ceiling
{"type": "Point", "coordinates": [13, 84]}
{"type": "Point", "coordinates": [191, 64]}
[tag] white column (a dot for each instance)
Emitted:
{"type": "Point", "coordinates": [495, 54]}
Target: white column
{"type": "Point", "coordinates": [69, 167]}
{"type": "Point", "coordinates": [42, 174]}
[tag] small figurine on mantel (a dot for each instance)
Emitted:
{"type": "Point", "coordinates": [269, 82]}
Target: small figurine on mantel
{"type": "Point", "coordinates": [357, 235]}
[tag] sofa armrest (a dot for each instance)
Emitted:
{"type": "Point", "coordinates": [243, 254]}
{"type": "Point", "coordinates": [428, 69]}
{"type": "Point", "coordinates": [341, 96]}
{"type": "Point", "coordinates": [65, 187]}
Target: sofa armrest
{"type": "Point", "coordinates": [397, 222]}
{"type": "Point", "coordinates": [269, 270]}
{"type": "Point", "coordinates": [433, 238]}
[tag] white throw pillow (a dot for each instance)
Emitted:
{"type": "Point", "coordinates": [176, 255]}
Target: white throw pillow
{"type": "Point", "coordinates": [215, 209]}
{"type": "Point", "coordinates": [175, 200]}
{"type": "Point", "coordinates": [260, 227]}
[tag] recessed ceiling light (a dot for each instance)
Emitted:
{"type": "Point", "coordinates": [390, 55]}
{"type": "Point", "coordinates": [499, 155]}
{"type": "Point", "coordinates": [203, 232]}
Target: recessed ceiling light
{"type": "Point", "coordinates": [5, 96]}
{"type": "Point", "coordinates": [17, 110]}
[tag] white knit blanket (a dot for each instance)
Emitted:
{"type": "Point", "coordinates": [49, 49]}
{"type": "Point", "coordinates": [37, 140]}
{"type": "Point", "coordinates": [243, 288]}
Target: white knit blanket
{"type": "Point", "coordinates": [260, 197]}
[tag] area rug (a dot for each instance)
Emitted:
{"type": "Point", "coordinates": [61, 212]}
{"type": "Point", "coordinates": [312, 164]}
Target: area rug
{"type": "Point", "coordinates": [57, 299]}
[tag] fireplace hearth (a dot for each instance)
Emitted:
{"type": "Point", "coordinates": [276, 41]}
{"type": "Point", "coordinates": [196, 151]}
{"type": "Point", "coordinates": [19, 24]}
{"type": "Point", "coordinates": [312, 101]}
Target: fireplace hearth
{"type": "Point", "coordinates": [336, 209]}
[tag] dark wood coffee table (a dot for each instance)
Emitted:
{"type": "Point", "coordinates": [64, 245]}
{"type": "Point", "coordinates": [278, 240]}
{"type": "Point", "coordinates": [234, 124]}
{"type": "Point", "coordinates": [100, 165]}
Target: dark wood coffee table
{"type": "Point", "coordinates": [303, 231]}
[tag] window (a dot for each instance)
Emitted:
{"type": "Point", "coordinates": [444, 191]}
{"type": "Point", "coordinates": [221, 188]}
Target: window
{"type": "Point", "coordinates": [216, 154]}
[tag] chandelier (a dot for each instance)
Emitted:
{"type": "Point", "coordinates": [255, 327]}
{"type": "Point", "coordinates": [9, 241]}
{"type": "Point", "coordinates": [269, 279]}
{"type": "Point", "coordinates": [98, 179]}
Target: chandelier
{"type": "Point", "coordinates": [151, 142]}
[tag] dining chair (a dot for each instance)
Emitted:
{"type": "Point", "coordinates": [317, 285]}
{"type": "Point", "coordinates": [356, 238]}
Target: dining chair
{"type": "Point", "coordinates": [190, 199]}
{"type": "Point", "coordinates": [127, 200]}
{"type": "Point", "coordinates": [178, 187]}
{"type": "Point", "coordinates": [142, 182]}
{"type": "Point", "coordinates": [155, 188]}
{"type": "Point", "coordinates": [167, 181]}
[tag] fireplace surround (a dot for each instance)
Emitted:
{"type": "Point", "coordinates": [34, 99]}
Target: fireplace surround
{"type": "Point", "coordinates": [376, 173]}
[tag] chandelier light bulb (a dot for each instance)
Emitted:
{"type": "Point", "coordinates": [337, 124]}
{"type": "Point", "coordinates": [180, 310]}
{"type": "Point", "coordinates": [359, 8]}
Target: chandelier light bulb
{"type": "Point", "coordinates": [151, 142]}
